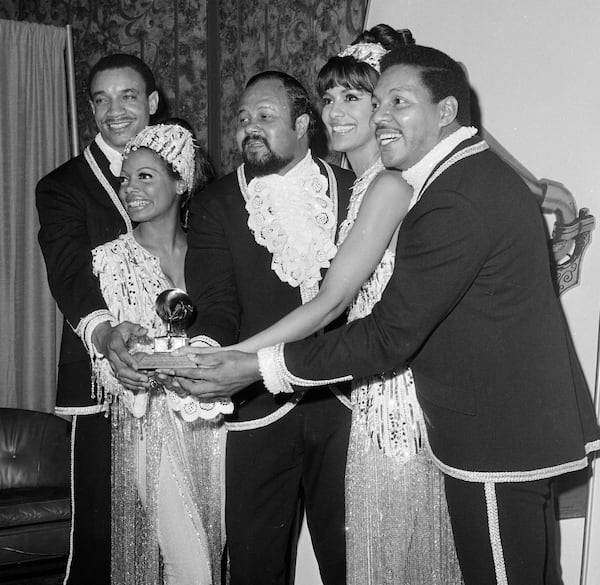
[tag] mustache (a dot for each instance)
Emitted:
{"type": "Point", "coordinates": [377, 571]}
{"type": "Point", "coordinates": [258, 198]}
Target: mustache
{"type": "Point", "coordinates": [254, 138]}
{"type": "Point", "coordinates": [384, 127]}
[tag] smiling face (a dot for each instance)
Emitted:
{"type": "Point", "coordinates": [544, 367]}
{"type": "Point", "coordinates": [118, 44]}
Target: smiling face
{"type": "Point", "coordinates": [268, 139]}
{"type": "Point", "coordinates": [149, 190]}
{"type": "Point", "coordinates": [347, 114]}
{"type": "Point", "coordinates": [408, 123]}
{"type": "Point", "coordinates": [120, 105]}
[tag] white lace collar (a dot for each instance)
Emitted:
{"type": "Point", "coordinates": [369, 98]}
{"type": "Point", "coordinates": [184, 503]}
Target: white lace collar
{"type": "Point", "coordinates": [114, 156]}
{"type": "Point", "coordinates": [294, 218]}
{"type": "Point", "coordinates": [417, 175]}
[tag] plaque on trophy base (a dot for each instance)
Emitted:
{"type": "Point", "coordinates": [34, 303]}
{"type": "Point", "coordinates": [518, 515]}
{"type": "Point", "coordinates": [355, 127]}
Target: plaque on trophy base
{"type": "Point", "coordinates": [175, 308]}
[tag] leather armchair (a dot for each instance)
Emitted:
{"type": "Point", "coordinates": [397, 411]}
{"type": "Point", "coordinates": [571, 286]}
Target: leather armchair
{"type": "Point", "coordinates": [35, 507]}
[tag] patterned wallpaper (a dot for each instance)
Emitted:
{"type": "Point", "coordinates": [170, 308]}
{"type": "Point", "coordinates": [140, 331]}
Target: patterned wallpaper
{"type": "Point", "coordinates": [168, 35]}
{"type": "Point", "coordinates": [171, 36]}
{"type": "Point", "coordinates": [295, 37]}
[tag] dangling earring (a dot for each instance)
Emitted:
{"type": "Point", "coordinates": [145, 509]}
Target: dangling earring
{"type": "Point", "coordinates": [181, 188]}
{"type": "Point", "coordinates": [185, 210]}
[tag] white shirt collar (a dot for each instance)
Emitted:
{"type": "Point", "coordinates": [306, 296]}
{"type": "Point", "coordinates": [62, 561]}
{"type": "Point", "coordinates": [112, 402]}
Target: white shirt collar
{"type": "Point", "coordinates": [417, 175]}
{"type": "Point", "coordinates": [115, 158]}
{"type": "Point", "coordinates": [301, 167]}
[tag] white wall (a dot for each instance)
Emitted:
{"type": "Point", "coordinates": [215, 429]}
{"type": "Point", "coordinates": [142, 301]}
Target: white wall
{"type": "Point", "coordinates": [535, 66]}
{"type": "Point", "coordinates": [307, 569]}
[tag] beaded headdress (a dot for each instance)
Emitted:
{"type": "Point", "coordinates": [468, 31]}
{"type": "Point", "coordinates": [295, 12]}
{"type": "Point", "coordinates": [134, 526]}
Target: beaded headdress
{"type": "Point", "coordinates": [171, 142]}
{"type": "Point", "coordinates": [370, 53]}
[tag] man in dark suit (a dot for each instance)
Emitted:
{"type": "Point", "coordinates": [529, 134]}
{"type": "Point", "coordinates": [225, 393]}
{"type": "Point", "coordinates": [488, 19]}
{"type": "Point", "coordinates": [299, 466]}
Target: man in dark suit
{"type": "Point", "coordinates": [246, 233]}
{"type": "Point", "coordinates": [79, 209]}
{"type": "Point", "coordinates": [472, 309]}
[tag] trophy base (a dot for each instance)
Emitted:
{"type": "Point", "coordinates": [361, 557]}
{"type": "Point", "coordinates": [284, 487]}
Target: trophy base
{"type": "Point", "coordinates": [163, 361]}
{"type": "Point", "coordinates": [167, 343]}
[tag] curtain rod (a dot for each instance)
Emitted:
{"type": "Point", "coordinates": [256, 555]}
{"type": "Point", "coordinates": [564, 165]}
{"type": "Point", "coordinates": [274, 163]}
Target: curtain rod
{"type": "Point", "coordinates": [70, 66]}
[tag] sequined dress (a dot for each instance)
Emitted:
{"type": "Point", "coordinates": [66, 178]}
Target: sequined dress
{"type": "Point", "coordinates": [152, 441]}
{"type": "Point", "coordinates": [398, 529]}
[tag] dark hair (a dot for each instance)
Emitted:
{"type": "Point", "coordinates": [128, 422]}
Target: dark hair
{"type": "Point", "coordinates": [300, 102]}
{"type": "Point", "coordinates": [440, 74]}
{"type": "Point", "coordinates": [352, 73]}
{"type": "Point", "coordinates": [120, 61]}
{"type": "Point", "coordinates": [385, 35]}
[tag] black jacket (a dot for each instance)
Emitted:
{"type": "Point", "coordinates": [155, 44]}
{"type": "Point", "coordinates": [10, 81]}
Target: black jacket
{"type": "Point", "coordinates": [472, 309]}
{"type": "Point", "coordinates": [76, 215]}
{"type": "Point", "coordinates": [230, 280]}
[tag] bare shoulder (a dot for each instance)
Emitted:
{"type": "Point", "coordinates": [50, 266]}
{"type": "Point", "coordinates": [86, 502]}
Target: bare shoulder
{"type": "Point", "coordinates": [391, 181]}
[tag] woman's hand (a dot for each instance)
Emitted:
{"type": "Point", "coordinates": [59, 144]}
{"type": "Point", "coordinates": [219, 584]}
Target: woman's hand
{"type": "Point", "coordinates": [112, 342]}
{"type": "Point", "coordinates": [218, 376]}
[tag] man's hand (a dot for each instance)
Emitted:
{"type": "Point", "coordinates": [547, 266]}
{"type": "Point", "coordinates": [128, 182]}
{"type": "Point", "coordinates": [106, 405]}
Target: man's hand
{"type": "Point", "coordinates": [218, 375]}
{"type": "Point", "coordinates": [111, 342]}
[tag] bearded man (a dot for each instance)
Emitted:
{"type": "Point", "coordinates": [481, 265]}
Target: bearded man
{"type": "Point", "coordinates": [471, 308]}
{"type": "Point", "coordinates": [260, 240]}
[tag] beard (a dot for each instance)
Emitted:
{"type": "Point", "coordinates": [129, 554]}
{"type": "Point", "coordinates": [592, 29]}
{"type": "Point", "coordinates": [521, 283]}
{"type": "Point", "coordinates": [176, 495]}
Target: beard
{"type": "Point", "coordinates": [263, 164]}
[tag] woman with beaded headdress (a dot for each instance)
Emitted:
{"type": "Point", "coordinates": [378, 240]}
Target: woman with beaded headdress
{"type": "Point", "coordinates": [398, 530]}
{"type": "Point", "coordinates": [166, 512]}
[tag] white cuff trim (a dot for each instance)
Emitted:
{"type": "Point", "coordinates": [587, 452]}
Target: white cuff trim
{"type": "Point", "coordinates": [276, 376]}
{"type": "Point", "coordinates": [204, 341]}
{"type": "Point", "coordinates": [86, 327]}
{"type": "Point", "coordinates": [272, 369]}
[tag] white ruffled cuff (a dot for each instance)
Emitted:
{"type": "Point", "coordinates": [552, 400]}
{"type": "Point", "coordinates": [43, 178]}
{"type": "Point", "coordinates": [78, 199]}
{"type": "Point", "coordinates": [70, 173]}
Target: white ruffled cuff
{"type": "Point", "coordinates": [271, 364]}
{"type": "Point", "coordinates": [86, 327]}
{"type": "Point", "coordinates": [190, 408]}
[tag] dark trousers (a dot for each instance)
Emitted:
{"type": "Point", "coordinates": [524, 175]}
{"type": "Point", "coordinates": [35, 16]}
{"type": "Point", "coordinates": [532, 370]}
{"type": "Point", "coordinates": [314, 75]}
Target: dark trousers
{"type": "Point", "coordinates": [268, 471]}
{"type": "Point", "coordinates": [525, 553]}
{"type": "Point", "coordinates": [90, 551]}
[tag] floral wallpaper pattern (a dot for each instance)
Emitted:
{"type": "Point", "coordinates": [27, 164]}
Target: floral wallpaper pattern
{"type": "Point", "coordinates": [171, 37]}
{"type": "Point", "coordinates": [296, 37]}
